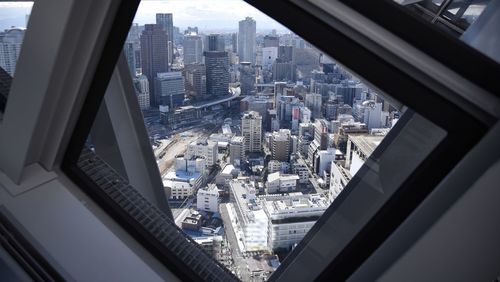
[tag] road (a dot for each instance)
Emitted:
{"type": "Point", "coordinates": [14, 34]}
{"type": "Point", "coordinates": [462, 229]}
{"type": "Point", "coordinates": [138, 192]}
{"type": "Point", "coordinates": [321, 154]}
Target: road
{"type": "Point", "coordinates": [239, 261]}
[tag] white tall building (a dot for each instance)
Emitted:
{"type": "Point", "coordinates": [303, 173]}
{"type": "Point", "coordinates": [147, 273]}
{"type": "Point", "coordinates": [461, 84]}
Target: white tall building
{"type": "Point", "coordinates": [291, 216]}
{"type": "Point", "coordinates": [246, 40]}
{"type": "Point", "coordinates": [193, 49]}
{"type": "Point", "coordinates": [10, 47]}
{"type": "Point", "coordinates": [203, 148]}
{"type": "Point", "coordinates": [251, 129]}
{"type": "Point", "coordinates": [207, 198]}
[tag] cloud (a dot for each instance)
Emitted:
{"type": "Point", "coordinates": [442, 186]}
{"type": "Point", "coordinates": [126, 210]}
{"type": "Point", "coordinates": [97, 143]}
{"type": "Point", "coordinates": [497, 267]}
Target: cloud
{"type": "Point", "coordinates": [212, 14]}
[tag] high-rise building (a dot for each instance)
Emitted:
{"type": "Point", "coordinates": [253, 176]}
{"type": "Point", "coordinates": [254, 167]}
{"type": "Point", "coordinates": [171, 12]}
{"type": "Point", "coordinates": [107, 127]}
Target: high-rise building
{"type": "Point", "coordinates": [283, 71]}
{"type": "Point", "coordinates": [217, 70]}
{"type": "Point", "coordinates": [269, 55]}
{"type": "Point", "coordinates": [10, 47]}
{"type": "Point", "coordinates": [129, 51]}
{"type": "Point", "coordinates": [285, 53]}
{"type": "Point", "coordinates": [246, 40]}
{"type": "Point", "coordinates": [167, 23]}
{"type": "Point", "coordinates": [203, 148]}
{"type": "Point", "coordinates": [196, 80]}
{"type": "Point", "coordinates": [280, 145]}
{"type": "Point", "coordinates": [234, 42]}
{"type": "Point", "coordinates": [193, 49]}
{"type": "Point", "coordinates": [236, 150]}
{"type": "Point", "coordinates": [313, 102]}
{"type": "Point", "coordinates": [141, 85]}
{"type": "Point", "coordinates": [271, 41]}
{"type": "Point", "coordinates": [215, 42]}
{"type": "Point", "coordinates": [154, 56]}
{"type": "Point", "coordinates": [247, 78]}
{"type": "Point", "coordinates": [170, 89]}
{"type": "Point", "coordinates": [251, 129]}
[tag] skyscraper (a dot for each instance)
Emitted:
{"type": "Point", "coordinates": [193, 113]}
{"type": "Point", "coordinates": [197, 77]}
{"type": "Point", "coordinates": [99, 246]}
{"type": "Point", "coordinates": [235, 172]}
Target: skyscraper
{"type": "Point", "coordinates": [10, 47]}
{"type": "Point", "coordinates": [215, 42]}
{"type": "Point", "coordinates": [251, 129]}
{"type": "Point", "coordinates": [154, 56]}
{"type": "Point", "coordinates": [193, 49]}
{"type": "Point", "coordinates": [167, 23]}
{"type": "Point", "coordinates": [247, 78]}
{"type": "Point", "coordinates": [128, 49]}
{"type": "Point", "coordinates": [246, 40]}
{"type": "Point", "coordinates": [217, 67]}
{"type": "Point", "coordinates": [234, 42]}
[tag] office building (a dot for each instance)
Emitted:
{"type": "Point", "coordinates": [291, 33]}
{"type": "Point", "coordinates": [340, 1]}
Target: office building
{"type": "Point", "coordinates": [207, 198]}
{"type": "Point", "coordinates": [269, 55]}
{"type": "Point", "coordinates": [247, 78]}
{"type": "Point", "coordinates": [246, 40]}
{"type": "Point", "coordinates": [170, 90]}
{"type": "Point", "coordinates": [236, 150]}
{"type": "Point", "coordinates": [281, 183]}
{"type": "Point", "coordinates": [217, 73]}
{"type": "Point", "coordinates": [167, 24]}
{"type": "Point", "coordinates": [339, 177]}
{"type": "Point", "coordinates": [154, 57]}
{"type": "Point", "coordinates": [193, 49]}
{"type": "Point", "coordinates": [280, 145]}
{"type": "Point", "coordinates": [234, 43]}
{"type": "Point", "coordinates": [359, 149]}
{"type": "Point", "coordinates": [283, 71]}
{"type": "Point", "coordinates": [188, 176]}
{"type": "Point", "coordinates": [271, 41]}
{"type": "Point", "coordinates": [215, 42]}
{"type": "Point", "coordinates": [290, 217]}
{"type": "Point", "coordinates": [10, 47]}
{"type": "Point", "coordinates": [141, 86]}
{"type": "Point", "coordinates": [251, 129]}
{"type": "Point", "coordinates": [251, 218]}
{"type": "Point", "coordinates": [196, 80]}
{"type": "Point", "coordinates": [203, 148]}
{"type": "Point", "coordinates": [313, 102]}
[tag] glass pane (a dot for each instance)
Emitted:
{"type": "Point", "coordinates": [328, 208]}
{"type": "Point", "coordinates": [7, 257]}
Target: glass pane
{"type": "Point", "coordinates": [255, 132]}
{"type": "Point", "coordinates": [13, 22]}
{"type": "Point", "coordinates": [464, 13]}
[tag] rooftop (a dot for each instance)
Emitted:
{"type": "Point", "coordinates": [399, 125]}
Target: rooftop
{"type": "Point", "coordinates": [366, 143]}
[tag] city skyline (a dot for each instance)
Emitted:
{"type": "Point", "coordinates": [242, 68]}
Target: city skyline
{"type": "Point", "coordinates": [213, 15]}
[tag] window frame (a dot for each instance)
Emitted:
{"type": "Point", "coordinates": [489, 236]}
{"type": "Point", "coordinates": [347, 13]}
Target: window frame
{"type": "Point", "coordinates": [375, 68]}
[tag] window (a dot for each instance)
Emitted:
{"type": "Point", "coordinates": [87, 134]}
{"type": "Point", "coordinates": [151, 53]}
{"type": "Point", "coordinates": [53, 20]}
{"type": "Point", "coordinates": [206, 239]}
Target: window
{"type": "Point", "coordinates": [12, 31]}
{"type": "Point", "coordinates": [362, 147]}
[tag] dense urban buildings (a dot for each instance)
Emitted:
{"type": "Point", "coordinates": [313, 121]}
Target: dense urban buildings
{"type": "Point", "coordinates": [262, 130]}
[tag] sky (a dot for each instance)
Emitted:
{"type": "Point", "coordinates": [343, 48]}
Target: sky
{"type": "Point", "coordinates": [205, 14]}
